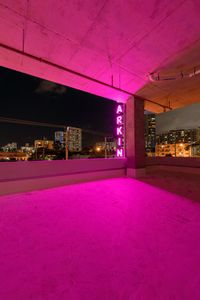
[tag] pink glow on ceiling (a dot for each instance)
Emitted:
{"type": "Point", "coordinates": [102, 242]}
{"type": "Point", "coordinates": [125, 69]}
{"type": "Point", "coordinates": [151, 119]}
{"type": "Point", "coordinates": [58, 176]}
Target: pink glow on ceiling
{"type": "Point", "coordinates": [117, 42]}
{"type": "Point", "coordinates": [113, 239]}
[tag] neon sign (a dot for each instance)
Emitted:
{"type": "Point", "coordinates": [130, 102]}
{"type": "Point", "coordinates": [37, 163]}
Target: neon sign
{"type": "Point", "coordinates": [120, 130]}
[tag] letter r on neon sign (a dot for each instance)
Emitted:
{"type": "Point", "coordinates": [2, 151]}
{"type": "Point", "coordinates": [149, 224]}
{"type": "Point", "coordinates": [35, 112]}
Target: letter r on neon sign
{"type": "Point", "coordinates": [119, 120]}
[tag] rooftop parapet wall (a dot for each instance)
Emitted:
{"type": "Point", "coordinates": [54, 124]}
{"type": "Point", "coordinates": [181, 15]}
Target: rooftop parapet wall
{"type": "Point", "coordinates": [192, 162]}
{"type": "Point", "coordinates": [38, 169]}
{"type": "Point", "coordinates": [17, 177]}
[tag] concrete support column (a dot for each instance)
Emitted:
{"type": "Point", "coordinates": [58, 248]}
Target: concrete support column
{"type": "Point", "coordinates": [135, 146]}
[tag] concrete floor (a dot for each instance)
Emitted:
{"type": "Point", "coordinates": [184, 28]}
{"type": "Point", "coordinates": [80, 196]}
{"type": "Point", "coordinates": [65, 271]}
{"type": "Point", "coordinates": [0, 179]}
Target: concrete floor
{"type": "Point", "coordinates": [119, 239]}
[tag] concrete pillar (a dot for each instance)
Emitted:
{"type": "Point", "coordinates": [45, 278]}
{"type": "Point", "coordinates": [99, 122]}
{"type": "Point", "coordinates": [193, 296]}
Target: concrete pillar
{"type": "Point", "coordinates": [135, 146]}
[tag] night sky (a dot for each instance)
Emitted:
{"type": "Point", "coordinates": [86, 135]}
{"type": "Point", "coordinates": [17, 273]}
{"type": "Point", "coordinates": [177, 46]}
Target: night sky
{"type": "Point", "coordinates": [30, 98]}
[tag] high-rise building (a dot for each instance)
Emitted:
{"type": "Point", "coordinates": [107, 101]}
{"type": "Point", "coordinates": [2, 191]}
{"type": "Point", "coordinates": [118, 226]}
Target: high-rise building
{"type": "Point", "coordinates": [181, 142]}
{"type": "Point", "coordinates": [60, 140]}
{"type": "Point", "coordinates": [150, 133]}
{"type": "Point", "coordinates": [74, 139]}
{"type": "Point", "coordinates": [179, 136]}
{"type": "Point", "coordinates": [60, 136]}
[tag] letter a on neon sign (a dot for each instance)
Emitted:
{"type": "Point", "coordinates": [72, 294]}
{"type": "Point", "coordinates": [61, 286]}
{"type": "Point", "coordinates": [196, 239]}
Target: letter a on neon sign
{"type": "Point", "coordinates": [119, 109]}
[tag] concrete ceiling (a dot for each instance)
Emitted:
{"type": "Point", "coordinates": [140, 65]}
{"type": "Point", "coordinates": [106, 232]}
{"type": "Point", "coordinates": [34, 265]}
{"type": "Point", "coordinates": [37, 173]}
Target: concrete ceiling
{"type": "Point", "coordinates": [116, 42]}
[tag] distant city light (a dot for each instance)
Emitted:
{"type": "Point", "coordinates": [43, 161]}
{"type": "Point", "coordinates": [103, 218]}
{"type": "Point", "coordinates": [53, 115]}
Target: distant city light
{"type": "Point", "coordinates": [98, 149]}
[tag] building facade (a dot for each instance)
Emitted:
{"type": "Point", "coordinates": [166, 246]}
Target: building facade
{"type": "Point", "coordinates": [60, 136]}
{"type": "Point", "coordinates": [108, 145]}
{"type": "Point", "coordinates": [10, 147]}
{"type": "Point", "coordinates": [46, 144]}
{"type": "Point", "coordinates": [176, 150]}
{"type": "Point", "coordinates": [179, 136]}
{"type": "Point", "coordinates": [195, 149]}
{"type": "Point", "coordinates": [150, 134]}
{"type": "Point", "coordinates": [13, 156]}
{"type": "Point", "coordinates": [27, 149]}
{"type": "Point", "coordinates": [177, 142]}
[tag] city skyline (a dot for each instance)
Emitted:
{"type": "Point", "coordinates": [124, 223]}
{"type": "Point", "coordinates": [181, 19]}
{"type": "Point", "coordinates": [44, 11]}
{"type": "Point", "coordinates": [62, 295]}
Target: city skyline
{"type": "Point", "coordinates": [30, 98]}
{"type": "Point", "coordinates": [182, 118]}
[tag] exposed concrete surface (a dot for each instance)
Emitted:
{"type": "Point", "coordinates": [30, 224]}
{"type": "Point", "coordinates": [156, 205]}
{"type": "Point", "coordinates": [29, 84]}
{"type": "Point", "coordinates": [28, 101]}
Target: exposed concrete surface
{"type": "Point", "coordinates": [16, 177]}
{"type": "Point", "coordinates": [117, 42]}
{"type": "Point", "coordinates": [134, 133]}
{"type": "Point", "coordinates": [42, 183]}
{"type": "Point", "coordinates": [119, 239]}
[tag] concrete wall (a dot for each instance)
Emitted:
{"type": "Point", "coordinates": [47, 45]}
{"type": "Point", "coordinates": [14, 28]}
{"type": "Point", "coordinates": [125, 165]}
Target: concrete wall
{"type": "Point", "coordinates": [26, 176]}
{"type": "Point", "coordinates": [174, 164]}
{"type": "Point", "coordinates": [193, 162]}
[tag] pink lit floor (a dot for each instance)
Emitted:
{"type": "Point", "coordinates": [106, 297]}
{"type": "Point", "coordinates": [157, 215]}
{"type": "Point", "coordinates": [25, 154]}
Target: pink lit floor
{"type": "Point", "coordinates": [118, 239]}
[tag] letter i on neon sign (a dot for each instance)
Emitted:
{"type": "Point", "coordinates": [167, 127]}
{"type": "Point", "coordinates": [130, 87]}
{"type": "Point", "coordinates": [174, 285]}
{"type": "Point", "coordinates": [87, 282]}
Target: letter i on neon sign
{"type": "Point", "coordinates": [119, 141]}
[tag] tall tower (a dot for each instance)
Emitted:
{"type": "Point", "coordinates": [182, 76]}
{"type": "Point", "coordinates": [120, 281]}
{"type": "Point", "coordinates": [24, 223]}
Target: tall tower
{"type": "Point", "coordinates": [74, 139]}
{"type": "Point", "coordinates": [150, 132]}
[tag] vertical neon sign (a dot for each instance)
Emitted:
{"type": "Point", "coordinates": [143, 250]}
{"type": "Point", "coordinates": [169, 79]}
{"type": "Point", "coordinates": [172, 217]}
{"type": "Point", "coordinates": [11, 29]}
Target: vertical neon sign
{"type": "Point", "coordinates": [120, 130]}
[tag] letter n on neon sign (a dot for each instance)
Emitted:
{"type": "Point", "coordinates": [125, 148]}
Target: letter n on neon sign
{"type": "Point", "coordinates": [120, 152]}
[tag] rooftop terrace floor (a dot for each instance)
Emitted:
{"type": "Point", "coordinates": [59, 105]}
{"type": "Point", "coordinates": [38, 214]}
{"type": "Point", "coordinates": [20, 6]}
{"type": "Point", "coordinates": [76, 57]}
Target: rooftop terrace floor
{"type": "Point", "coordinates": [116, 239]}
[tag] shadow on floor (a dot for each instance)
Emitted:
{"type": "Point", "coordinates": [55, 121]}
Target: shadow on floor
{"type": "Point", "coordinates": [183, 184]}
